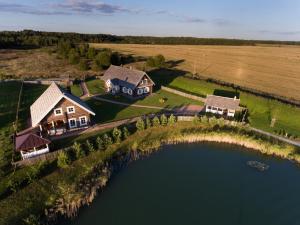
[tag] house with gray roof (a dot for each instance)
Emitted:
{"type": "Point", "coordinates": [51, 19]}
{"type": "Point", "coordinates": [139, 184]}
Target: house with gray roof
{"type": "Point", "coordinates": [221, 105]}
{"type": "Point", "coordinates": [128, 82]}
{"type": "Point", "coordinates": [57, 111]}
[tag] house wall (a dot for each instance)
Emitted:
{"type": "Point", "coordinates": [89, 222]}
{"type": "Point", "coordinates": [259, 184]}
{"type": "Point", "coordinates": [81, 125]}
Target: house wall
{"type": "Point", "coordinates": [63, 104]}
{"type": "Point", "coordinates": [219, 111]}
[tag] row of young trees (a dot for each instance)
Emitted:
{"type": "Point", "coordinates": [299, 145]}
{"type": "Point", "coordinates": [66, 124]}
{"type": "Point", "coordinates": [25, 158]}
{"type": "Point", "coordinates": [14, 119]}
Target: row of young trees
{"type": "Point", "coordinates": [105, 140]}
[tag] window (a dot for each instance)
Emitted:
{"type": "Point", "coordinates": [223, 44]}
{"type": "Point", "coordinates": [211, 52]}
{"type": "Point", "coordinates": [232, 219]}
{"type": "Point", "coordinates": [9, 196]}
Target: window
{"type": "Point", "coordinates": [83, 120]}
{"type": "Point", "coordinates": [71, 109]}
{"type": "Point", "coordinates": [58, 112]}
{"type": "Point", "coordinates": [124, 89]}
{"type": "Point", "coordinates": [72, 123]}
{"type": "Point", "coordinates": [140, 91]}
{"type": "Point", "coordinates": [146, 90]}
{"type": "Point", "coordinates": [129, 91]}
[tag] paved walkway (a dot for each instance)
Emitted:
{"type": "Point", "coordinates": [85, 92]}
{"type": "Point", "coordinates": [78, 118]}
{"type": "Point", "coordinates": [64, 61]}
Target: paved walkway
{"type": "Point", "coordinates": [286, 140]}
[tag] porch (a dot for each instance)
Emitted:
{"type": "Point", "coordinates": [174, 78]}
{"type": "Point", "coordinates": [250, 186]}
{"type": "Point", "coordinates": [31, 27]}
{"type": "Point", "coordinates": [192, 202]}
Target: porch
{"type": "Point", "coordinates": [35, 152]}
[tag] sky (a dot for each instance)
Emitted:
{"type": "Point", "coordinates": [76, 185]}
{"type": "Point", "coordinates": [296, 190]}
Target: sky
{"type": "Point", "coordinates": [246, 19]}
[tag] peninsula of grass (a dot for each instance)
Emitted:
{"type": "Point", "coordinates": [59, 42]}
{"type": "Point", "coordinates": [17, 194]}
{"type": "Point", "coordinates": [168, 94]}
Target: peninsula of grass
{"type": "Point", "coordinates": [76, 90]}
{"type": "Point", "coordinates": [66, 189]}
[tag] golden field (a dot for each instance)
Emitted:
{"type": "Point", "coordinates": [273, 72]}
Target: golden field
{"type": "Point", "coordinates": [272, 69]}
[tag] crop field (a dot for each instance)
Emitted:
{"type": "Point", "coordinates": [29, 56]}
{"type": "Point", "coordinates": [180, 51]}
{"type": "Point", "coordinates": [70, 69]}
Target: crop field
{"type": "Point", "coordinates": [272, 69]}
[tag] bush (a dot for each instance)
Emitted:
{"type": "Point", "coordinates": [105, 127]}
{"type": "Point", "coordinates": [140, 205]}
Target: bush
{"type": "Point", "coordinates": [163, 120]}
{"type": "Point", "coordinates": [162, 100]}
{"type": "Point", "coordinates": [155, 121]}
{"type": "Point", "coordinates": [91, 53]}
{"type": "Point", "coordinates": [140, 125]}
{"type": "Point", "coordinates": [117, 135]}
{"type": "Point", "coordinates": [171, 120]}
{"type": "Point", "coordinates": [126, 133]}
{"type": "Point", "coordinates": [83, 65]}
{"type": "Point", "coordinates": [73, 56]}
{"type": "Point", "coordinates": [196, 119]}
{"type": "Point", "coordinates": [156, 61]}
{"type": "Point", "coordinates": [63, 160]}
{"type": "Point", "coordinates": [204, 119]}
{"type": "Point", "coordinates": [79, 152]}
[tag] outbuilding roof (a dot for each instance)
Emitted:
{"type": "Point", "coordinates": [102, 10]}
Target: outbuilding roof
{"type": "Point", "coordinates": [222, 102]}
{"type": "Point", "coordinates": [29, 141]}
{"type": "Point", "coordinates": [49, 99]}
{"type": "Point", "coordinates": [123, 76]}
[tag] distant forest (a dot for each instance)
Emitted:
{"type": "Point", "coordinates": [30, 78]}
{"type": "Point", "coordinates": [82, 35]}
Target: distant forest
{"type": "Point", "coordinates": [31, 39]}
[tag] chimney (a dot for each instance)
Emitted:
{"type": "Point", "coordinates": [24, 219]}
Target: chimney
{"type": "Point", "coordinates": [130, 67]}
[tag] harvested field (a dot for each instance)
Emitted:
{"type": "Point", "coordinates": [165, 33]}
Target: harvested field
{"type": "Point", "coordinates": [37, 63]}
{"type": "Point", "coordinates": [272, 69]}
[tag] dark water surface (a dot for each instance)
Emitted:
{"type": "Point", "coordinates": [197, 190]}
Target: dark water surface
{"type": "Point", "coordinates": [207, 184]}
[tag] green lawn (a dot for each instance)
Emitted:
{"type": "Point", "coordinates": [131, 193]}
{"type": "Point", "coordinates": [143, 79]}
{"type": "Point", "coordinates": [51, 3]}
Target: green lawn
{"type": "Point", "coordinates": [170, 100]}
{"type": "Point", "coordinates": [9, 93]}
{"type": "Point", "coordinates": [107, 112]}
{"type": "Point", "coordinates": [261, 110]}
{"type": "Point", "coordinates": [95, 86]}
{"type": "Point", "coordinates": [76, 90]}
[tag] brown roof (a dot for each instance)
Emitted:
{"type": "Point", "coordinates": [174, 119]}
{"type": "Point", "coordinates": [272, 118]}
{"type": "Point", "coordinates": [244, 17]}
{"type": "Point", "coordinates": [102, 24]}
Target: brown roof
{"type": "Point", "coordinates": [123, 76]}
{"type": "Point", "coordinates": [222, 102]}
{"type": "Point", "coordinates": [29, 141]}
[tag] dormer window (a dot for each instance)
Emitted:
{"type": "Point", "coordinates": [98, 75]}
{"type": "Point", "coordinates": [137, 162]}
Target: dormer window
{"type": "Point", "coordinates": [71, 109]}
{"type": "Point", "coordinates": [58, 112]}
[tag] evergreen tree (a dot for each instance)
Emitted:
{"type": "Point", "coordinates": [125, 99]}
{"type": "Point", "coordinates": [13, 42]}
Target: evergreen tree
{"type": "Point", "coordinates": [126, 133]}
{"type": "Point", "coordinates": [155, 121]}
{"type": "Point", "coordinates": [171, 120]}
{"type": "Point", "coordinates": [79, 152]}
{"type": "Point", "coordinates": [196, 119]}
{"type": "Point", "coordinates": [63, 159]}
{"type": "Point", "coordinates": [204, 119]}
{"type": "Point", "coordinates": [107, 140]}
{"type": "Point", "coordinates": [163, 120]}
{"type": "Point", "coordinates": [83, 65]}
{"type": "Point", "coordinates": [100, 143]}
{"type": "Point", "coordinates": [91, 53]}
{"type": "Point", "coordinates": [73, 56]}
{"type": "Point", "coordinates": [140, 125]}
{"type": "Point", "coordinates": [148, 123]}
{"type": "Point", "coordinates": [89, 146]}
{"type": "Point", "coordinates": [117, 135]}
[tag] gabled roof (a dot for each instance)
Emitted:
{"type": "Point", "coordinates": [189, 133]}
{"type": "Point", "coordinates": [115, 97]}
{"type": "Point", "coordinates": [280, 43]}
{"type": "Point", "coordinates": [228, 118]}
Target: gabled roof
{"type": "Point", "coordinates": [125, 77]}
{"type": "Point", "coordinates": [222, 102]}
{"type": "Point", "coordinates": [29, 141]}
{"type": "Point", "coordinates": [49, 99]}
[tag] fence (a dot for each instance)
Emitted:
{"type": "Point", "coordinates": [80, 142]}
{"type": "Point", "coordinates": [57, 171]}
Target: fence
{"type": "Point", "coordinates": [183, 94]}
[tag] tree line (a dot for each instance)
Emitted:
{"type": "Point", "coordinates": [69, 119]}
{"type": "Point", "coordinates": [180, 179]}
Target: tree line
{"type": "Point", "coordinates": [31, 38]}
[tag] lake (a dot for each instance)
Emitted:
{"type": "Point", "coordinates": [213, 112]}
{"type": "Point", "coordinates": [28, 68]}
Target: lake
{"type": "Point", "coordinates": [199, 184]}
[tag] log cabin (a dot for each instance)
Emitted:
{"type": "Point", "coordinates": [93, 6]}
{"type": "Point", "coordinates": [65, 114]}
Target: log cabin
{"type": "Point", "coordinates": [221, 105]}
{"type": "Point", "coordinates": [56, 111]}
{"type": "Point", "coordinates": [130, 83]}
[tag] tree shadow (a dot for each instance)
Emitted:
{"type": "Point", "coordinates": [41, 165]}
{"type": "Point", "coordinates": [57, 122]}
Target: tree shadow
{"type": "Point", "coordinates": [227, 93]}
{"type": "Point", "coordinates": [174, 63]}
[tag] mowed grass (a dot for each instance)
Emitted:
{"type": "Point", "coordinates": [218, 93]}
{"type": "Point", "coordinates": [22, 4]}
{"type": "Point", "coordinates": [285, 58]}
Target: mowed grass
{"type": "Point", "coordinates": [261, 110]}
{"type": "Point", "coordinates": [266, 68]}
{"type": "Point", "coordinates": [76, 90]}
{"type": "Point", "coordinates": [95, 86]}
{"type": "Point", "coordinates": [108, 112]}
{"type": "Point", "coordinates": [9, 93]}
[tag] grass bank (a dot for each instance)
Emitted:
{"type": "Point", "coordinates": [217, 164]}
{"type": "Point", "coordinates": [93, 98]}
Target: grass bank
{"type": "Point", "coordinates": [65, 190]}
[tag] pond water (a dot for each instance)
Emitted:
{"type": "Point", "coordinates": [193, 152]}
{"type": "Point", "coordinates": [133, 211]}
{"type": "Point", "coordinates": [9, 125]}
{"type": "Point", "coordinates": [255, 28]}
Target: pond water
{"type": "Point", "coordinates": [199, 184]}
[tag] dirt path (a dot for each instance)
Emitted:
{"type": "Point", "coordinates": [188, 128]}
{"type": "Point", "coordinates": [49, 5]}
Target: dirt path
{"type": "Point", "coordinates": [85, 90]}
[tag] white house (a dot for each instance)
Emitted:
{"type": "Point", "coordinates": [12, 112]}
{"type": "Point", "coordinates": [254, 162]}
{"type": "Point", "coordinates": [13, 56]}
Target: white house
{"type": "Point", "coordinates": [221, 105]}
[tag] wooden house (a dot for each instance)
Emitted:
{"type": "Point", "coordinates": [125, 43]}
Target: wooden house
{"type": "Point", "coordinates": [128, 82]}
{"type": "Point", "coordinates": [221, 105]}
{"type": "Point", "coordinates": [56, 111]}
